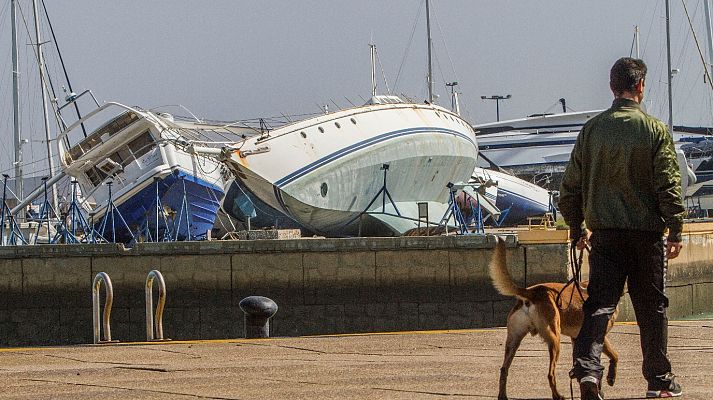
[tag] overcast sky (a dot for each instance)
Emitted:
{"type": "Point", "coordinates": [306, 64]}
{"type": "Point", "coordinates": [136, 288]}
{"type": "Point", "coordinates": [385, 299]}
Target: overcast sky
{"type": "Point", "coordinates": [243, 59]}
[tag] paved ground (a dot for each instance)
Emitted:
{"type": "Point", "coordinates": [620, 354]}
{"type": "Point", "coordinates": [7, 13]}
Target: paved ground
{"type": "Point", "coordinates": [410, 365]}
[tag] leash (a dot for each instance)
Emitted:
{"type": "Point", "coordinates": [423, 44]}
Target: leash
{"type": "Point", "coordinates": [575, 262]}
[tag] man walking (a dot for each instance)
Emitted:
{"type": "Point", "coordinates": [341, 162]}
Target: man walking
{"type": "Point", "coordinates": [623, 181]}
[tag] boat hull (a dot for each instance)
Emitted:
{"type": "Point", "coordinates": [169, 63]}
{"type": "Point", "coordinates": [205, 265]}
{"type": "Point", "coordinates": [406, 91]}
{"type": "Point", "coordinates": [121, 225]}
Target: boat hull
{"type": "Point", "coordinates": [378, 160]}
{"type": "Point", "coordinates": [188, 210]}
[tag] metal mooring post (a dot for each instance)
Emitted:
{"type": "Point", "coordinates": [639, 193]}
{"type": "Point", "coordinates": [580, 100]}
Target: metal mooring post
{"type": "Point", "coordinates": [158, 327]}
{"type": "Point", "coordinates": [258, 311]}
{"type": "Point", "coordinates": [102, 277]}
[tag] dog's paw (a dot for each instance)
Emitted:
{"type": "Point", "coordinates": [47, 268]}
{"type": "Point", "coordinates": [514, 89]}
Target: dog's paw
{"type": "Point", "coordinates": [558, 397]}
{"type": "Point", "coordinates": [502, 397]}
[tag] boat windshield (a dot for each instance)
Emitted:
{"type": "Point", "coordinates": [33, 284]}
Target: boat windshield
{"type": "Point", "coordinates": [120, 159]}
{"type": "Point", "coordinates": [102, 134]}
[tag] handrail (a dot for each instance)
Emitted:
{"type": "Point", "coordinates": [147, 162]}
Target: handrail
{"type": "Point", "coordinates": [102, 277]}
{"type": "Point", "coordinates": [158, 327]}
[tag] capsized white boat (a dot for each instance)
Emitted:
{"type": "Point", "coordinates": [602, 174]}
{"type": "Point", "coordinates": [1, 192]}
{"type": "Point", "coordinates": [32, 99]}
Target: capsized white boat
{"type": "Point", "coordinates": [359, 170]}
{"type": "Point", "coordinates": [136, 162]}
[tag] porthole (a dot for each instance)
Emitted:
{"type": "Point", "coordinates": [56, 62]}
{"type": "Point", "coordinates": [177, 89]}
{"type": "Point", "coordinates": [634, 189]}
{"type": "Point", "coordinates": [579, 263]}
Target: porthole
{"type": "Point", "coordinates": [353, 121]}
{"type": "Point", "coordinates": [304, 135]}
{"type": "Point", "coordinates": [320, 129]}
{"type": "Point", "coordinates": [337, 125]}
{"type": "Point", "coordinates": [323, 189]}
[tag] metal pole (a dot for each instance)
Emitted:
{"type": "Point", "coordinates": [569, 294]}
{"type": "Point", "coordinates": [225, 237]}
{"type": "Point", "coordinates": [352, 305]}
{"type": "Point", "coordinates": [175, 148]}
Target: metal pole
{"type": "Point", "coordinates": [668, 60]}
{"type": "Point", "coordinates": [28, 199]}
{"type": "Point", "coordinates": [497, 109]}
{"type": "Point", "coordinates": [4, 209]}
{"type": "Point", "coordinates": [158, 208]}
{"type": "Point", "coordinates": [372, 47]}
{"type": "Point", "coordinates": [430, 46]}
{"type": "Point", "coordinates": [636, 35]}
{"type": "Point", "coordinates": [16, 106]}
{"type": "Point", "coordinates": [48, 135]}
{"type": "Point", "coordinates": [709, 30]}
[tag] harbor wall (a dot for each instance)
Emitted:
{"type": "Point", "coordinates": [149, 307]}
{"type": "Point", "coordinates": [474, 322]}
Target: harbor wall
{"type": "Point", "coordinates": [321, 286]}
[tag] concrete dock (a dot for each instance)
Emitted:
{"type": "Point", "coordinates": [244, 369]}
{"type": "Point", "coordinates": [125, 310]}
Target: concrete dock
{"type": "Point", "coordinates": [403, 365]}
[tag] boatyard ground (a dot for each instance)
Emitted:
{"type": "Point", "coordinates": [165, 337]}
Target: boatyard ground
{"type": "Point", "coordinates": [405, 365]}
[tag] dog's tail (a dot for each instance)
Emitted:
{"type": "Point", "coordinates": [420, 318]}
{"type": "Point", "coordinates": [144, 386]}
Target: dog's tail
{"type": "Point", "coordinates": [502, 280]}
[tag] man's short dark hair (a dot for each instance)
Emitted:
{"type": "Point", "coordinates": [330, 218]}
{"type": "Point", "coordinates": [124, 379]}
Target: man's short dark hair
{"type": "Point", "coordinates": [626, 73]}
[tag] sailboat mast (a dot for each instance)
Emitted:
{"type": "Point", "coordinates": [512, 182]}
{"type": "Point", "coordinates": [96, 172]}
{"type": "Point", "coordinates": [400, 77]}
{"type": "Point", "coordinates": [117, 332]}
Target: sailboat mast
{"type": "Point", "coordinates": [41, 64]}
{"type": "Point", "coordinates": [430, 47]}
{"type": "Point", "coordinates": [670, 71]}
{"type": "Point", "coordinates": [709, 30]}
{"type": "Point", "coordinates": [372, 47]}
{"type": "Point", "coordinates": [16, 105]}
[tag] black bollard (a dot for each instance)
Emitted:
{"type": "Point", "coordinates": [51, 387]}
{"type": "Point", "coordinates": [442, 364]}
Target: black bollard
{"type": "Point", "coordinates": [258, 311]}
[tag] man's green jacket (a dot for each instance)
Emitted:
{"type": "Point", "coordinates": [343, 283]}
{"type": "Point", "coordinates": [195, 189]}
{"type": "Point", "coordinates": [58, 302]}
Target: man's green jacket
{"type": "Point", "coordinates": [623, 174]}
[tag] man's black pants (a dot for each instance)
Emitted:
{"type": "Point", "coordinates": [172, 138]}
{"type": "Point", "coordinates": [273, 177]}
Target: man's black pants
{"type": "Point", "coordinates": [637, 258]}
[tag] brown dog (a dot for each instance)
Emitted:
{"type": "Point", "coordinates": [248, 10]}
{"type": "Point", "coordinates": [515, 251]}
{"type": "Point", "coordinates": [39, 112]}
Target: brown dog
{"type": "Point", "coordinates": [538, 313]}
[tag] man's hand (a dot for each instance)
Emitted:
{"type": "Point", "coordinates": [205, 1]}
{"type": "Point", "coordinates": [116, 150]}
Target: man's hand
{"type": "Point", "coordinates": [583, 241]}
{"type": "Point", "coordinates": [673, 249]}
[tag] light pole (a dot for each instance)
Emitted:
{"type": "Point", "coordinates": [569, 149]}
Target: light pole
{"type": "Point", "coordinates": [497, 102]}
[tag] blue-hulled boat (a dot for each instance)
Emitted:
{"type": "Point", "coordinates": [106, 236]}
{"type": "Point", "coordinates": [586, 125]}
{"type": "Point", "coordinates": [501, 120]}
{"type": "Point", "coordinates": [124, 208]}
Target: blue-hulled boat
{"type": "Point", "coordinates": [138, 177]}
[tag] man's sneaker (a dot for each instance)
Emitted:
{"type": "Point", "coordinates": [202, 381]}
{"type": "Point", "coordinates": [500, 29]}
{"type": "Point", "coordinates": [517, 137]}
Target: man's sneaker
{"type": "Point", "coordinates": [589, 388]}
{"type": "Point", "coordinates": [672, 388]}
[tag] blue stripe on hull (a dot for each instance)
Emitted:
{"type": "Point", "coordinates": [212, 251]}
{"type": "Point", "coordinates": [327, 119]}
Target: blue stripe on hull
{"type": "Point", "coordinates": [361, 145]}
{"type": "Point", "coordinates": [203, 202]}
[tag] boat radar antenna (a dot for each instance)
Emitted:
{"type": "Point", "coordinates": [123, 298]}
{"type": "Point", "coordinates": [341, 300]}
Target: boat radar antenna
{"type": "Point", "coordinates": [455, 104]}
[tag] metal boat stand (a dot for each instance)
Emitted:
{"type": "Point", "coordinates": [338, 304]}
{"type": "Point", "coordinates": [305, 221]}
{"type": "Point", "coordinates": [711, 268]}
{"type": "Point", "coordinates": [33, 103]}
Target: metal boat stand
{"type": "Point", "coordinates": [77, 223]}
{"type": "Point", "coordinates": [454, 212]}
{"type": "Point", "coordinates": [184, 212]}
{"type": "Point", "coordinates": [112, 210]}
{"type": "Point", "coordinates": [6, 216]}
{"type": "Point", "coordinates": [47, 212]}
{"type": "Point", "coordinates": [384, 193]}
{"type": "Point", "coordinates": [158, 235]}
